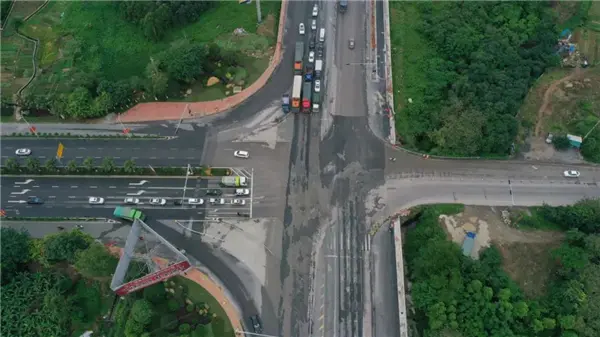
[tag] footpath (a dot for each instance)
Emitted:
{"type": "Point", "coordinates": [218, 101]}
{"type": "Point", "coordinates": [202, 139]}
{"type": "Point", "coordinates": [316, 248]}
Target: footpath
{"type": "Point", "coordinates": [156, 111]}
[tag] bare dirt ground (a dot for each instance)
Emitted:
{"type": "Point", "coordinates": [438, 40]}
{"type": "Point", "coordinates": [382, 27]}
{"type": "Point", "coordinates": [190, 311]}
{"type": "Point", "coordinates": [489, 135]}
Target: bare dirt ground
{"type": "Point", "coordinates": [526, 253]}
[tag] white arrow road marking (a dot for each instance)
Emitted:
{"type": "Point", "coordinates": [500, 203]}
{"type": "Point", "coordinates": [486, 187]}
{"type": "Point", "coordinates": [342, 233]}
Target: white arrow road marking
{"type": "Point", "coordinates": [17, 201]}
{"type": "Point", "coordinates": [22, 192]}
{"type": "Point", "coordinates": [139, 184]}
{"type": "Point", "coordinates": [138, 193]}
{"type": "Point", "coordinates": [24, 182]}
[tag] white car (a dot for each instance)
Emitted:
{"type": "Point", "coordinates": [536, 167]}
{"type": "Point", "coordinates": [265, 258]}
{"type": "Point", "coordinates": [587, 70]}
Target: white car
{"type": "Point", "coordinates": [571, 174]}
{"type": "Point", "coordinates": [158, 201]}
{"type": "Point", "coordinates": [242, 191]}
{"type": "Point", "coordinates": [311, 57]}
{"type": "Point", "coordinates": [132, 201]}
{"type": "Point", "coordinates": [301, 29]}
{"type": "Point", "coordinates": [215, 201]}
{"type": "Point", "coordinates": [241, 154]}
{"type": "Point", "coordinates": [96, 201]}
{"type": "Point", "coordinates": [195, 201]}
{"type": "Point", "coordinates": [315, 11]}
{"type": "Point", "coordinates": [317, 85]}
{"type": "Point", "coordinates": [313, 25]}
{"type": "Point", "coordinates": [238, 202]}
{"type": "Point", "coordinates": [23, 152]}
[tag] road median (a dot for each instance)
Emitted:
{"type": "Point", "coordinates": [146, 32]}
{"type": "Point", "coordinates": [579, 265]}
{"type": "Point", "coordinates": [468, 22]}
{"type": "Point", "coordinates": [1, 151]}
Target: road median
{"type": "Point", "coordinates": [111, 171]}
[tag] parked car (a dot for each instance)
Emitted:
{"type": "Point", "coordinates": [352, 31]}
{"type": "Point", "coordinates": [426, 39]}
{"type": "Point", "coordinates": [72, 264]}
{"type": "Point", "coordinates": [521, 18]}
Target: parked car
{"type": "Point", "coordinates": [311, 56]}
{"type": "Point", "coordinates": [35, 201]}
{"type": "Point", "coordinates": [317, 85]}
{"type": "Point", "coordinates": [132, 201]}
{"type": "Point", "coordinates": [23, 152]}
{"type": "Point", "coordinates": [301, 29]}
{"type": "Point", "coordinates": [158, 201]}
{"type": "Point", "coordinates": [195, 201]}
{"type": "Point", "coordinates": [214, 191]}
{"type": "Point", "coordinates": [549, 138]}
{"type": "Point", "coordinates": [311, 43]}
{"type": "Point", "coordinates": [241, 154]}
{"type": "Point", "coordinates": [315, 11]}
{"type": "Point", "coordinates": [351, 43]}
{"type": "Point", "coordinates": [313, 25]}
{"type": "Point", "coordinates": [571, 174]}
{"type": "Point", "coordinates": [96, 201]}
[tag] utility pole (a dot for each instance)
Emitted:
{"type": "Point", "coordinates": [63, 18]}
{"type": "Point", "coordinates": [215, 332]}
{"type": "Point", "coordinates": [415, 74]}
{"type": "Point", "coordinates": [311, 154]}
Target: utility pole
{"type": "Point", "coordinates": [258, 14]}
{"type": "Point", "coordinates": [187, 174]}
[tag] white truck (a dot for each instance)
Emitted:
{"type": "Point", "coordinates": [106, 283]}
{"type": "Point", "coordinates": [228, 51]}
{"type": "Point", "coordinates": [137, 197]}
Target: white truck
{"type": "Point", "coordinates": [318, 68]}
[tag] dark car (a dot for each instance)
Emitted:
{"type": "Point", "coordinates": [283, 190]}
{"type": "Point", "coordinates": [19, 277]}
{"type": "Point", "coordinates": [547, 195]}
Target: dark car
{"type": "Point", "coordinates": [320, 53]}
{"type": "Point", "coordinates": [256, 324]}
{"type": "Point", "coordinates": [214, 191]}
{"type": "Point", "coordinates": [35, 201]}
{"type": "Point", "coordinates": [177, 202]}
{"type": "Point", "coordinates": [311, 43]}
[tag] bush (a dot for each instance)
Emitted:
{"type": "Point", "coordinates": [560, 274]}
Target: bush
{"type": "Point", "coordinates": [155, 293]}
{"type": "Point", "coordinates": [190, 307]}
{"type": "Point", "coordinates": [185, 328]}
{"type": "Point", "coordinates": [173, 305]}
{"type": "Point", "coordinates": [561, 143]}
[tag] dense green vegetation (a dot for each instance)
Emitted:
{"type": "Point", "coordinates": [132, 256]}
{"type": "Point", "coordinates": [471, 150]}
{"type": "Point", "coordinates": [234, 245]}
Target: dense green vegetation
{"type": "Point", "coordinates": [59, 286]}
{"type": "Point", "coordinates": [457, 296]}
{"type": "Point", "coordinates": [467, 66]}
{"type": "Point", "coordinates": [101, 57]}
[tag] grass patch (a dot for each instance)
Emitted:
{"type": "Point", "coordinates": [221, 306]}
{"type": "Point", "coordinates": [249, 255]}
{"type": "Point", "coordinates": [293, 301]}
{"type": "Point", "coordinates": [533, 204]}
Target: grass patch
{"type": "Point", "coordinates": [530, 265]}
{"type": "Point", "coordinates": [531, 219]}
{"type": "Point", "coordinates": [16, 52]}
{"type": "Point", "coordinates": [197, 294]}
{"type": "Point", "coordinates": [89, 37]}
{"type": "Point", "coordinates": [410, 53]}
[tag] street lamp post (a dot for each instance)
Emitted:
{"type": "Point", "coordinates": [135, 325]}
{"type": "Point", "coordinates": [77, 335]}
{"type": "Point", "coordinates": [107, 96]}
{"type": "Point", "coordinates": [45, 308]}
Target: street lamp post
{"type": "Point", "coordinates": [258, 14]}
{"type": "Point", "coordinates": [187, 174]}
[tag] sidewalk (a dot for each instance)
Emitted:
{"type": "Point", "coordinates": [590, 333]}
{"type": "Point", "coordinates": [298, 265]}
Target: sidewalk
{"type": "Point", "coordinates": [216, 292]}
{"type": "Point", "coordinates": [156, 111]}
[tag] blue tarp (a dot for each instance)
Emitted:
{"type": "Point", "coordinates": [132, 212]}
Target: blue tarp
{"type": "Point", "coordinates": [565, 33]}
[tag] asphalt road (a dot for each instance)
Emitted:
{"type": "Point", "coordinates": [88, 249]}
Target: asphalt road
{"type": "Point", "coordinates": [69, 197]}
{"type": "Point", "coordinates": [175, 152]}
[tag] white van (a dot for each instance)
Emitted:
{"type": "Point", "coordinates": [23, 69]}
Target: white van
{"type": "Point", "coordinates": [322, 35]}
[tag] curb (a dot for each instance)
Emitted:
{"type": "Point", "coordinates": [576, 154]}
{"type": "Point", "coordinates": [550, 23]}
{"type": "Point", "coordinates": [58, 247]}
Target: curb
{"type": "Point", "coordinates": [389, 92]}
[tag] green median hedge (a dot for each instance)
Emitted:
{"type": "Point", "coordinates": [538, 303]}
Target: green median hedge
{"type": "Point", "coordinates": [107, 168]}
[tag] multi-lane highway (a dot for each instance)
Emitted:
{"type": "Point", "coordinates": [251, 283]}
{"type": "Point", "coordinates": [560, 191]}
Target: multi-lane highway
{"type": "Point", "coordinates": [64, 197]}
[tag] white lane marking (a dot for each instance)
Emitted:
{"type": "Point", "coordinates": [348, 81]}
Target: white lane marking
{"type": "Point", "coordinates": [138, 193]}
{"type": "Point", "coordinates": [22, 192]}
{"type": "Point", "coordinates": [52, 197]}
{"type": "Point", "coordinates": [93, 186]}
{"type": "Point", "coordinates": [72, 197]}
{"type": "Point", "coordinates": [54, 186]}
{"type": "Point", "coordinates": [74, 186]}
{"type": "Point", "coordinates": [43, 157]}
{"type": "Point", "coordinates": [79, 157]}
{"type": "Point", "coordinates": [142, 182]}
{"type": "Point", "coordinates": [36, 186]}
{"type": "Point", "coordinates": [17, 201]}
{"type": "Point", "coordinates": [24, 182]}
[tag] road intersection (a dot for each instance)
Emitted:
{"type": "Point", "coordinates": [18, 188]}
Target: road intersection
{"type": "Point", "coordinates": [321, 179]}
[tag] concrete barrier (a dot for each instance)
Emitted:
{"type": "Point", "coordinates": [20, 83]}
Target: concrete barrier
{"type": "Point", "coordinates": [400, 278]}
